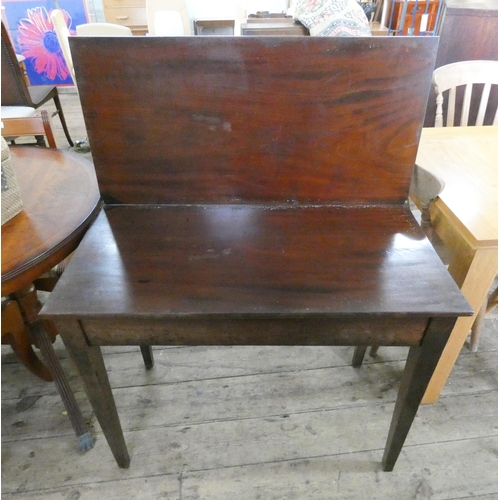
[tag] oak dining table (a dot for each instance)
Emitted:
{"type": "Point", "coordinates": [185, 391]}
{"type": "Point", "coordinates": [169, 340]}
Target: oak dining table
{"type": "Point", "coordinates": [465, 217]}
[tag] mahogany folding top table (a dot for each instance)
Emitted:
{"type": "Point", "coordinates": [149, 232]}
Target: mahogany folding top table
{"type": "Point", "coordinates": [255, 194]}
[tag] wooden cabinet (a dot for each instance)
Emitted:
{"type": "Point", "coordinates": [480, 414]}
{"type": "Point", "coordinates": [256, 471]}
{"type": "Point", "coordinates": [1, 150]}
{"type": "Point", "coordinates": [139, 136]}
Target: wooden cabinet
{"type": "Point", "coordinates": [212, 27]}
{"type": "Point", "coordinates": [280, 27]}
{"type": "Point", "coordinates": [468, 31]}
{"type": "Point", "coordinates": [130, 13]}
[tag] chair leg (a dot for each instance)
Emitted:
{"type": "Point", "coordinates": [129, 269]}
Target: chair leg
{"type": "Point", "coordinates": [486, 307]}
{"type": "Point", "coordinates": [57, 102]}
{"type": "Point", "coordinates": [492, 301]}
{"type": "Point", "coordinates": [47, 127]}
{"type": "Point", "coordinates": [477, 327]}
{"type": "Point", "coordinates": [40, 141]}
{"type": "Point", "coordinates": [147, 355]}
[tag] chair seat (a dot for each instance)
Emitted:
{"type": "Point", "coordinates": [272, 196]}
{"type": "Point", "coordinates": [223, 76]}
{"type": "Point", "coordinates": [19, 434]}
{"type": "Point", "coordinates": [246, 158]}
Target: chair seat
{"type": "Point", "coordinates": [42, 93]}
{"type": "Point", "coordinates": [17, 112]}
{"type": "Point", "coordinates": [425, 186]}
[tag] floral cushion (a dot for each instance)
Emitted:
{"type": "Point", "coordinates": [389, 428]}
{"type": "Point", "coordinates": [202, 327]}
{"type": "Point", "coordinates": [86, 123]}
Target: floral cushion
{"type": "Point", "coordinates": [332, 17]}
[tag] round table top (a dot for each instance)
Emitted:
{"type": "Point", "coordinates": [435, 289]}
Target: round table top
{"type": "Point", "coordinates": [60, 195]}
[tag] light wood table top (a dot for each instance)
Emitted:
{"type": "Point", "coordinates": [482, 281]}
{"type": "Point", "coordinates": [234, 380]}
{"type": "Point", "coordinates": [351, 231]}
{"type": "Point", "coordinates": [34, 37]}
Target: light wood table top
{"type": "Point", "coordinates": [466, 159]}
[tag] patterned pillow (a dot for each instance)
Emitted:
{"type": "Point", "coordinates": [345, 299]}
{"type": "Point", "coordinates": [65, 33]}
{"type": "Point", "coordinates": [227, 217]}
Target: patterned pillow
{"type": "Point", "coordinates": [332, 17]}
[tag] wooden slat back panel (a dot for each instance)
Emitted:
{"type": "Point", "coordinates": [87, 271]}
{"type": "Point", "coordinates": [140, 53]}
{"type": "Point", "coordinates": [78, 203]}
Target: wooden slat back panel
{"type": "Point", "coordinates": [254, 120]}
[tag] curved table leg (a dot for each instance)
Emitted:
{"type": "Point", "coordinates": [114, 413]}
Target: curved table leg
{"type": "Point", "coordinates": [14, 333]}
{"type": "Point", "coordinates": [30, 306]}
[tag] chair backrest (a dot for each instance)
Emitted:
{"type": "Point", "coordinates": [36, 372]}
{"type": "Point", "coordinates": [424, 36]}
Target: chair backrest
{"type": "Point", "coordinates": [62, 33]}
{"type": "Point", "coordinates": [102, 29]}
{"type": "Point", "coordinates": [14, 89]}
{"type": "Point", "coordinates": [154, 6]}
{"type": "Point", "coordinates": [465, 73]}
{"type": "Point", "coordinates": [316, 120]}
{"type": "Point", "coordinates": [168, 23]}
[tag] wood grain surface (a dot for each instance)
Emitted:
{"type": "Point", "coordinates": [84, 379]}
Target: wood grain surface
{"type": "Point", "coordinates": [60, 194]}
{"type": "Point", "coordinates": [254, 119]}
{"type": "Point", "coordinates": [253, 261]}
{"type": "Point", "coordinates": [226, 422]}
{"type": "Point", "coordinates": [265, 181]}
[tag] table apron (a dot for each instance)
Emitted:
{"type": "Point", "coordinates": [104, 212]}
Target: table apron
{"type": "Point", "coordinates": [364, 330]}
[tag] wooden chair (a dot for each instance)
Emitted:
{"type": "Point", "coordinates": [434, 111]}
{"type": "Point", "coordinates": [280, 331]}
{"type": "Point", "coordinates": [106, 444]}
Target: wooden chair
{"type": "Point", "coordinates": [464, 74]}
{"type": "Point", "coordinates": [62, 33]}
{"type": "Point", "coordinates": [447, 79]}
{"type": "Point", "coordinates": [15, 92]}
{"type": "Point", "coordinates": [102, 29]}
{"type": "Point", "coordinates": [22, 122]}
{"type": "Point", "coordinates": [488, 306]}
{"type": "Point", "coordinates": [161, 13]}
{"type": "Point", "coordinates": [88, 29]}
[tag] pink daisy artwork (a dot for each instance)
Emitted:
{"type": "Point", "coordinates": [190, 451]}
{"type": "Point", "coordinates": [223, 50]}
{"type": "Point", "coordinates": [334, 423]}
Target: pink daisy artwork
{"type": "Point", "coordinates": [38, 41]}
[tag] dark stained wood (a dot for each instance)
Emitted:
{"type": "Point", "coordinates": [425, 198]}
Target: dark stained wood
{"type": "Point", "coordinates": [273, 27]}
{"type": "Point", "coordinates": [147, 355]}
{"type": "Point", "coordinates": [253, 261]}
{"type": "Point", "coordinates": [255, 194]}
{"type": "Point", "coordinates": [95, 379]}
{"type": "Point", "coordinates": [469, 32]}
{"type": "Point", "coordinates": [60, 197]}
{"type": "Point", "coordinates": [334, 330]}
{"type": "Point", "coordinates": [210, 113]}
{"type": "Point", "coordinates": [358, 356]}
{"type": "Point", "coordinates": [421, 360]}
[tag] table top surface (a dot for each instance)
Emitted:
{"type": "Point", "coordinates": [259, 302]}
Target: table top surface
{"type": "Point", "coordinates": [466, 159]}
{"type": "Point", "coordinates": [245, 261]}
{"type": "Point", "coordinates": [59, 192]}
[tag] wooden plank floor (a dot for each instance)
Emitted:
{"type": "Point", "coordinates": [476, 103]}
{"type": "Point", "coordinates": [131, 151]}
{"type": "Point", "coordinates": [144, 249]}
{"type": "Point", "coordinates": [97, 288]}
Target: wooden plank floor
{"type": "Point", "coordinates": [252, 423]}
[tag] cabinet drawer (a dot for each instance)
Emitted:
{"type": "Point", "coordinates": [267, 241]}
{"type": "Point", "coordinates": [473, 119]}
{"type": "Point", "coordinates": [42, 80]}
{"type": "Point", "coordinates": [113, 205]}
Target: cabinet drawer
{"type": "Point", "coordinates": [126, 16]}
{"type": "Point", "coordinates": [124, 3]}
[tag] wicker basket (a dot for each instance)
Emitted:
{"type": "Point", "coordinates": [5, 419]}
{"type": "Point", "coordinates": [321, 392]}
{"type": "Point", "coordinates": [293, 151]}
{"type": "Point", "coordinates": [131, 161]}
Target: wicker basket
{"type": "Point", "coordinates": [11, 197]}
